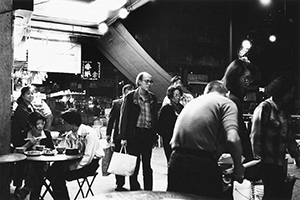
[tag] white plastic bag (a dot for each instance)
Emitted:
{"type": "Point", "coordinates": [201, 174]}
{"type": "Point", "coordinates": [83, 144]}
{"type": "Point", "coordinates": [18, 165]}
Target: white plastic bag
{"type": "Point", "coordinates": [122, 163]}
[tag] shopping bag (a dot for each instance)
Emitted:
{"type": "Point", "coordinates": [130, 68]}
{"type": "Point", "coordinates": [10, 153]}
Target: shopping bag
{"type": "Point", "coordinates": [108, 151]}
{"type": "Point", "coordinates": [122, 163]}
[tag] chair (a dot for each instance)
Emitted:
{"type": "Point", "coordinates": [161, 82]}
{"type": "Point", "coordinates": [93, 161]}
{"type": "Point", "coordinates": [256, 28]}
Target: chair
{"type": "Point", "coordinates": [81, 182]}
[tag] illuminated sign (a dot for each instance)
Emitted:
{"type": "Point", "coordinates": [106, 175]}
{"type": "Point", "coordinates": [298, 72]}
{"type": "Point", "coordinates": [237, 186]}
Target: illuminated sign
{"type": "Point", "coordinates": [90, 70]}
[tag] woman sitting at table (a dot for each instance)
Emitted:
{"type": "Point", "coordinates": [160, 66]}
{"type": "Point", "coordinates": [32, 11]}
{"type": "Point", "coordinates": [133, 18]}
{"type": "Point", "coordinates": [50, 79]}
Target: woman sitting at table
{"type": "Point", "coordinates": [92, 152]}
{"type": "Point", "coordinates": [36, 171]}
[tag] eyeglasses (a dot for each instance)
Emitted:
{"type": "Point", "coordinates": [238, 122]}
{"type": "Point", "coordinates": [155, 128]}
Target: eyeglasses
{"type": "Point", "coordinates": [148, 81]}
{"type": "Point", "coordinates": [247, 79]}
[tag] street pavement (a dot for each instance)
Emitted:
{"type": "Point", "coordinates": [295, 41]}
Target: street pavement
{"type": "Point", "coordinates": [106, 184]}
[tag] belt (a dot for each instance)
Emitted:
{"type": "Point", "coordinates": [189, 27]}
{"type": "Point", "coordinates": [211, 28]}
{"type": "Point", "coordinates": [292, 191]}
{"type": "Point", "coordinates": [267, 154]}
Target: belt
{"type": "Point", "coordinates": [195, 152]}
{"type": "Point", "coordinates": [142, 129]}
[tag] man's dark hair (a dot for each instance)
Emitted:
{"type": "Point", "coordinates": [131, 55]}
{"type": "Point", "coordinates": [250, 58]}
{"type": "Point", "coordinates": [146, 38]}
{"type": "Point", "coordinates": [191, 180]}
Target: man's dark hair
{"type": "Point", "coordinates": [34, 117]}
{"type": "Point", "coordinates": [127, 87]}
{"type": "Point", "coordinates": [175, 79]}
{"type": "Point", "coordinates": [72, 117]}
{"type": "Point", "coordinates": [280, 86]}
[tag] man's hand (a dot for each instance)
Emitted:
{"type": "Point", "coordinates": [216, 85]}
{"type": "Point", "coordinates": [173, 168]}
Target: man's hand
{"type": "Point", "coordinates": [238, 173]}
{"type": "Point", "coordinates": [297, 162]}
{"type": "Point", "coordinates": [124, 143]}
{"type": "Point", "coordinates": [108, 138]}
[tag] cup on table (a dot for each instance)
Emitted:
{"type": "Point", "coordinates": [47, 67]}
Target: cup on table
{"type": "Point", "coordinates": [60, 150]}
{"type": "Point", "coordinates": [20, 149]}
{"type": "Point", "coordinates": [54, 134]}
{"type": "Point", "coordinates": [72, 151]}
{"type": "Point", "coordinates": [40, 147]}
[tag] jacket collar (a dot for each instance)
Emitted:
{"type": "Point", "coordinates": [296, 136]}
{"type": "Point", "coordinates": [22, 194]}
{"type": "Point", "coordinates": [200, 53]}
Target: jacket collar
{"type": "Point", "coordinates": [136, 96]}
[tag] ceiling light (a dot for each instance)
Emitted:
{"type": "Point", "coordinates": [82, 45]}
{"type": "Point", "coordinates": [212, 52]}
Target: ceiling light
{"type": "Point", "coordinates": [103, 28]}
{"type": "Point", "coordinates": [272, 38]}
{"type": "Point", "coordinates": [265, 2]}
{"type": "Point", "coordinates": [123, 13]}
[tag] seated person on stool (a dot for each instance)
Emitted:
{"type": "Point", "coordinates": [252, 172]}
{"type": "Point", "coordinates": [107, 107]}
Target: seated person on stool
{"type": "Point", "coordinates": [36, 171]}
{"type": "Point", "coordinates": [59, 172]}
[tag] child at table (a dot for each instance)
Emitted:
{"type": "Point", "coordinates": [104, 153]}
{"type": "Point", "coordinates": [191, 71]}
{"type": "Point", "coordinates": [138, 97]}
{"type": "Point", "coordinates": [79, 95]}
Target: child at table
{"type": "Point", "coordinates": [35, 171]}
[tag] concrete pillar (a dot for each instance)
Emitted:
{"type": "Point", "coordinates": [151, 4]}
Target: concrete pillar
{"type": "Point", "coordinates": [6, 62]}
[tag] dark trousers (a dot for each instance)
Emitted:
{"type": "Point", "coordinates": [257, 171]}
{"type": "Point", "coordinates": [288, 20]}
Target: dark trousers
{"type": "Point", "coordinates": [120, 180]}
{"type": "Point", "coordinates": [274, 177]}
{"type": "Point", "coordinates": [59, 173]}
{"type": "Point", "coordinates": [19, 170]}
{"type": "Point", "coordinates": [167, 147]}
{"type": "Point", "coordinates": [141, 146]}
{"type": "Point", "coordinates": [36, 171]}
{"type": "Point", "coordinates": [194, 172]}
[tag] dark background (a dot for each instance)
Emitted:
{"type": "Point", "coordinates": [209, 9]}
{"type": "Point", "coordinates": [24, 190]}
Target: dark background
{"type": "Point", "coordinates": [193, 37]}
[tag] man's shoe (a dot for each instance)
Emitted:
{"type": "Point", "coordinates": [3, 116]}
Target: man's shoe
{"type": "Point", "coordinates": [135, 189]}
{"type": "Point", "coordinates": [120, 189]}
{"type": "Point", "coordinates": [21, 194]}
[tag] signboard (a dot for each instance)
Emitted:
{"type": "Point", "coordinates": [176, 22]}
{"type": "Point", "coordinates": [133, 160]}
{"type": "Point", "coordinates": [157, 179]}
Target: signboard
{"type": "Point", "coordinates": [197, 78]}
{"type": "Point", "coordinates": [54, 56]}
{"type": "Point", "coordinates": [90, 70]}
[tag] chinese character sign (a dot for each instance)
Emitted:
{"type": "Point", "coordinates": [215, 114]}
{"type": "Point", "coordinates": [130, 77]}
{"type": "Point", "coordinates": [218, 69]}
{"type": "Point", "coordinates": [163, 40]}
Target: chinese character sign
{"type": "Point", "coordinates": [90, 70]}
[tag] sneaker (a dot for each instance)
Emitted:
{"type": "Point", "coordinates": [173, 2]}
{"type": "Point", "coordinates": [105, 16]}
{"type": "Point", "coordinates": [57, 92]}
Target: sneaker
{"type": "Point", "coordinates": [120, 189]}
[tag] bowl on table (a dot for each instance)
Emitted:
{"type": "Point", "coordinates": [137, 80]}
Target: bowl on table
{"type": "Point", "coordinates": [40, 147]}
{"type": "Point", "coordinates": [70, 151]}
{"type": "Point", "coordinates": [20, 149]}
{"type": "Point", "coordinates": [60, 150]}
{"type": "Point", "coordinates": [49, 152]}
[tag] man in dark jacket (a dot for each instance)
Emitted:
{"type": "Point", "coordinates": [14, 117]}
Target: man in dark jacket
{"type": "Point", "coordinates": [113, 124]}
{"type": "Point", "coordinates": [138, 126]}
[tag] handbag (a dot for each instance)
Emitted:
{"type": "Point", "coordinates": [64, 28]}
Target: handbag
{"type": "Point", "coordinates": [122, 164]}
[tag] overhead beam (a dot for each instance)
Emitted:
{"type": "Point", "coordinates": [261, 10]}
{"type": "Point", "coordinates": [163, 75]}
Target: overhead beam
{"type": "Point", "coordinates": [65, 28]}
{"type": "Point", "coordinates": [124, 52]}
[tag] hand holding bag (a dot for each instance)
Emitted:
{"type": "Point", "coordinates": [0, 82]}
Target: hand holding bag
{"type": "Point", "coordinates": [122, 164]}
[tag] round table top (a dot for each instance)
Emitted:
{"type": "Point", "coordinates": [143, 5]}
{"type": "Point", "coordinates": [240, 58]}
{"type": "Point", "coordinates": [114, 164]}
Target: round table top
{"type": "Point", "coordinates": [53, 158]}
{"type": "Point", "coordinates": [153, 195]}
{"type": "Point", "coordinates": [12, 157]}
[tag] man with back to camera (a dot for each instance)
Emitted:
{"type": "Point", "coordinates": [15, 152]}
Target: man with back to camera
{"type": "Point", "coordinates": [203, 128]}
{"type": "Point", "coordinates": [138, 126]}
{"type": "Point", "coordinates": [113, 123]}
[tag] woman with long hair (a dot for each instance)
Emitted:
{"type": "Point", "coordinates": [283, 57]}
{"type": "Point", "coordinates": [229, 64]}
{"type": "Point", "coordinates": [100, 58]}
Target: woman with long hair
{"type": "Point", "coordinates": [237, 78]}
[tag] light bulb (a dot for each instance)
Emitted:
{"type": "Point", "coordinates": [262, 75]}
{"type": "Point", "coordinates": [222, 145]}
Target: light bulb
{"type": "Point", "coordinates": [103, 28]}
{"type": "Point", "coordinates": [123, 13]}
